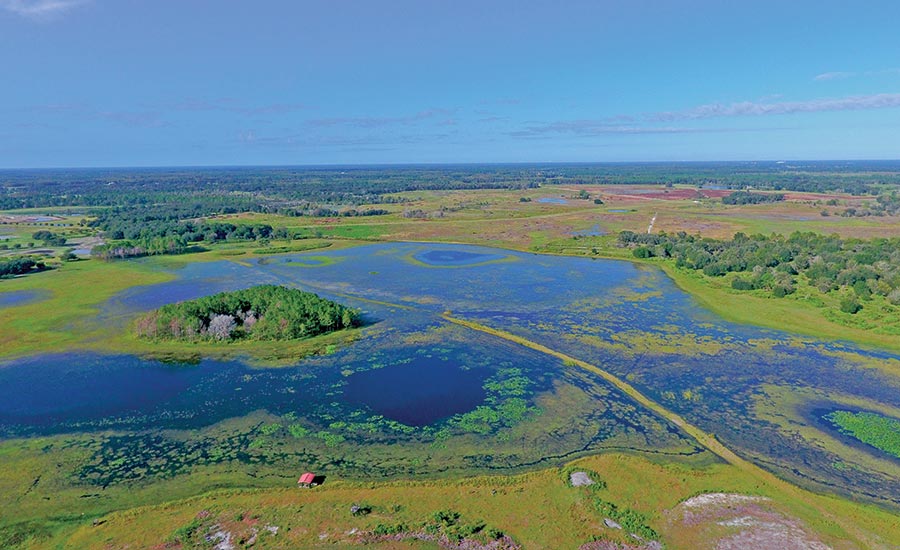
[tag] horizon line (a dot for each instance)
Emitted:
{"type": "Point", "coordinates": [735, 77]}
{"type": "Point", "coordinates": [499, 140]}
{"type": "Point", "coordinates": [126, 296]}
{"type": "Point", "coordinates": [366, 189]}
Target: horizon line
{"type": "Point", "coordinates": [436, 164]}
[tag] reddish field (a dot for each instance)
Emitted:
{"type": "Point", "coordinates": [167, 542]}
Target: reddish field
{"type": "Point", "coordinates": [668, 194]}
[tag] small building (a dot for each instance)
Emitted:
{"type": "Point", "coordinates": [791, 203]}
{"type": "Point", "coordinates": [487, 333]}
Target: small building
{"type": "Point", "coordinates": [307, 480]}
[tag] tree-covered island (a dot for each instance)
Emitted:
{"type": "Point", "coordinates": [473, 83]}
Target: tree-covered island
{"type": "Point", "coordinates": [265, 312]}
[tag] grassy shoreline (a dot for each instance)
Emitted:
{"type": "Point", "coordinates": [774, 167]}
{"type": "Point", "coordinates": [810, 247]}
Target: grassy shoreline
{"type": "Point", "coordinates": [787, 315]}
{"type": "Point", "coordinates": [537, 509]}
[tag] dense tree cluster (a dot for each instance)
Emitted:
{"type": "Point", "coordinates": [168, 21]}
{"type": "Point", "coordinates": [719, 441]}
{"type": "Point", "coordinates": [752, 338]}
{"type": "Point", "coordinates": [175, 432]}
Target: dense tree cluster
{"type": "Point", "coordinates": [19, 266]}
{"type": "Point", "coordinates": [146, 246]}
{"type": "Point", "coordinates": [138, 232]}
{"type": "Point", "coordinates": [859, 269]}
{"type": "Point", "coordinates": [746, 197]}
{"type": "Point", "coordinates": [144, 223]}
{"type": "Point", "coordinates": [266, 312]}
{"type": "Point", "coordinates": [49, 238]}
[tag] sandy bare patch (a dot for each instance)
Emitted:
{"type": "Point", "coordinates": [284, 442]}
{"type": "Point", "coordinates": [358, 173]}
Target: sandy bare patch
{"type": "Point", "coordinates": [580, 479]}
{"type": "Point", "coordinates": [719, 499]}
{"type": "Point", "coordinates": [610, 545]}
{"type": "Point", "coordinates": [729, 521]}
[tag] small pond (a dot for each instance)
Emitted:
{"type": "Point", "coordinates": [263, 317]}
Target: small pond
{"type": "Point", "coordinates": [454, 258]}
{"type": "Point", "coordinates": [594, 231]}
{"type": "Point", "coordinates": [21, 297]}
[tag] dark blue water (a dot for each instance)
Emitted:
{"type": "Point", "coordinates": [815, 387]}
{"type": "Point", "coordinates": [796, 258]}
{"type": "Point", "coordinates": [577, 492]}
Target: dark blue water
{"type": "Point", "coordinates": [57, 388]}
{"type": "Point", "coordinates": [455, 258]}
{"type": "Point", "coordinates": [84, 391]}
{"type": "Point", "coordinates": [418, 393]}
{"type": "Point", "coordinates": [416, 385]}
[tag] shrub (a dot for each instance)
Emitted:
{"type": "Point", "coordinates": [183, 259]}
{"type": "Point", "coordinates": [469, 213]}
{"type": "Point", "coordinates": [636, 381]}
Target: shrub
{"type": "Point", "coordinates": [390, 529]}
{"type": "Point", "coordinates": [780, 291]}
{"type": "Point", "coordinates": [642, 252]}
{"type": "Point", "coordinates": [850, 305]}
{"type": "Point", "coordinates": [741, 284]}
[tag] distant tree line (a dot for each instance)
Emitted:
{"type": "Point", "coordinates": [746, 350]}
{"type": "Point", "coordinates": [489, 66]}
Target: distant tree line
{"type": "Point", "coordinates": [859, 269]}
{"type": "Point", "coordinates": [227, 190]}
{"type": "Point", "coordinates": [324, 212]}
{"type": "Point", "coordinates": [265, 312]}
{"type": "Point", "coordinates": [746, 197]}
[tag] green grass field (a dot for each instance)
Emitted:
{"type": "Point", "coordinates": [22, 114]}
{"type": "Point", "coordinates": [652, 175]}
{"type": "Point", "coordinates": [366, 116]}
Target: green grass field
{"type": "Point", "coordinates": [538, 510]}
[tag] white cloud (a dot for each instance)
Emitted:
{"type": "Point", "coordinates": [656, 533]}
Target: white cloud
{"type": "Point", "coordinates": [755, 108]}
{"type": "Point", "coordinates": [602, 127]}
{"type": "Point", "coordinates": [232, 105]}
{"type": "Point", "coordinates": [649, 123]}
{"type": "Point", "coordinates": [840, 75]}
{"type": "Point", "coordinates": [39, 9]}
{"type": "Point", "coordinates": [378, 122]}
{"type": "Point", "coordinates": [836, 75]}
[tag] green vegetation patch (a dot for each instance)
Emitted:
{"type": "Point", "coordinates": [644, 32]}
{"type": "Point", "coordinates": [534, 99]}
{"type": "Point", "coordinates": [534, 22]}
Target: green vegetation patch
{"type": "Point", "coordinates": [265, 312]}
{"type": "Point", "coordinates": [746, 197]}
{"type": "Point", "coordinates": [850, 272]}
{"type": "Point", "coordinates": [876, 430]}
{"type": "Point", "coordinates": [20, 266]}
{"type": "Point", "coordinates": [302, 247]}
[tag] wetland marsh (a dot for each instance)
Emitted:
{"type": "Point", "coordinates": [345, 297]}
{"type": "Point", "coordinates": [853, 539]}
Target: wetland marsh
{"type": "Point", "coordinates": [448, 399]}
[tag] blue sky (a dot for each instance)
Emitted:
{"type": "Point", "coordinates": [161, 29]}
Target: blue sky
{"type": "Point", "coordinates": [221, 82]}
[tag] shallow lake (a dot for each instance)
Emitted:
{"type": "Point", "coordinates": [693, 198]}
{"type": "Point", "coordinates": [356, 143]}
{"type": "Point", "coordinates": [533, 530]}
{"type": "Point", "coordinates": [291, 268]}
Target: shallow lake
{"type": "Point", "coordinates": [414, 382]}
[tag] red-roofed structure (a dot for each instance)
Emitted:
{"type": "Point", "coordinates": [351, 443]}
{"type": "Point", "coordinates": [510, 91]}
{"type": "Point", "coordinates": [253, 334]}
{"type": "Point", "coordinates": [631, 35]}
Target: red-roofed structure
{"type": "Point", "coordinates": [307, 480]}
